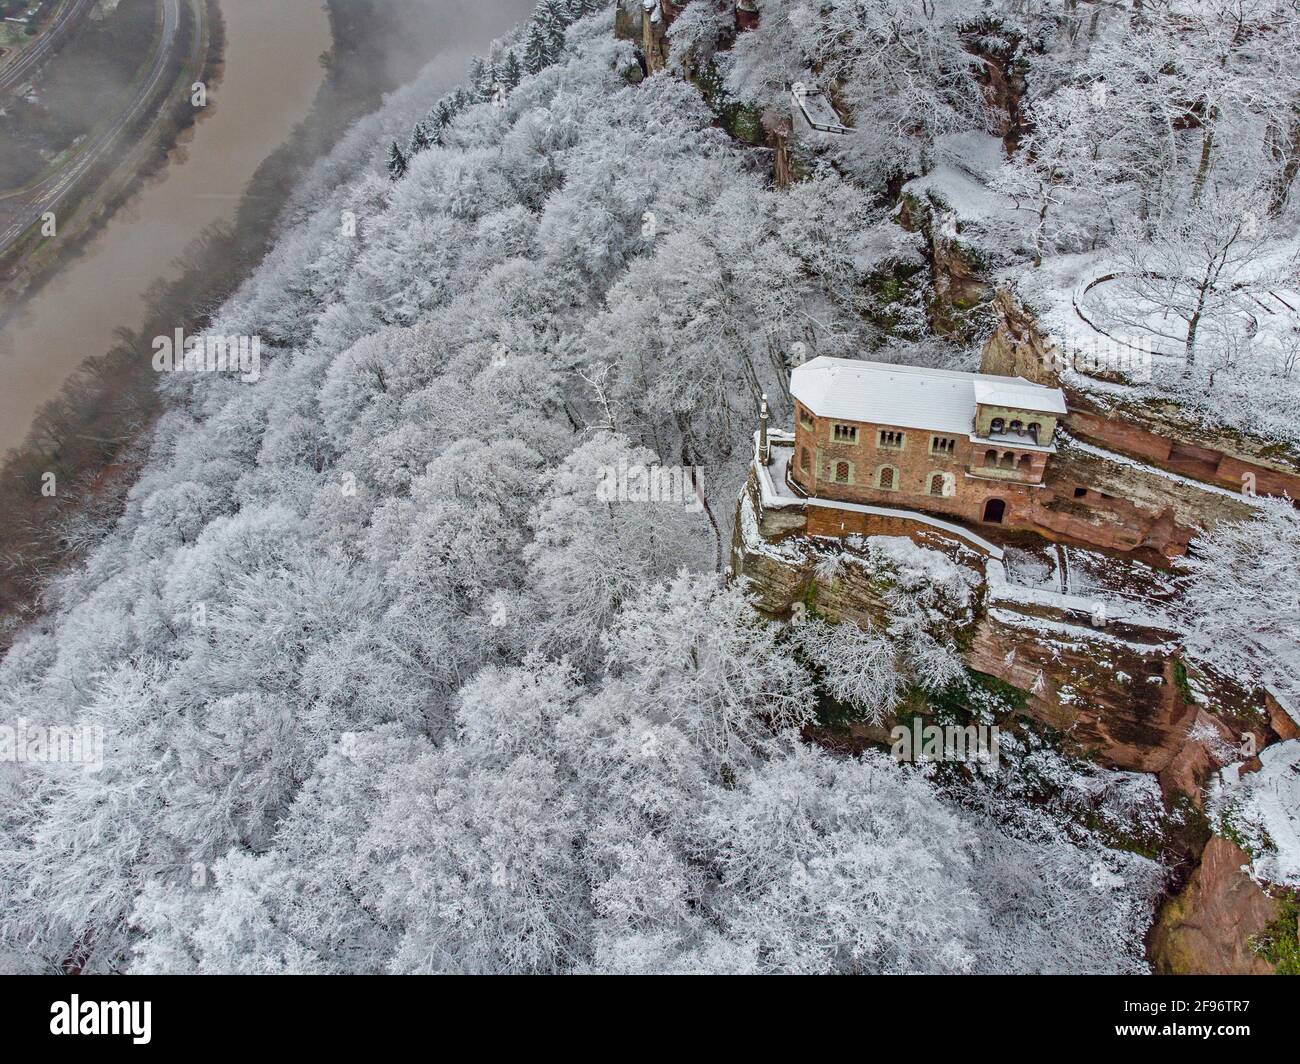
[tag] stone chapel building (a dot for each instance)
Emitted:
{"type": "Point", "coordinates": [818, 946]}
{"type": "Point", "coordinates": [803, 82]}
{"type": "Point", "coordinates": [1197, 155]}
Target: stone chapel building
{"type": "Point", "coordinates": [968, 444]}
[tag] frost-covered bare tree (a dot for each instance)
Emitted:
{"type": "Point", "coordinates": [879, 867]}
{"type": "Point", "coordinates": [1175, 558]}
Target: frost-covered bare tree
{"type": "Point", "coordinates": [611, 518]}
{"type": "Point", "coordinates": [1200, 265]}
{"type": "Point", "coordinates": [1243, 603]}
{"type": "Point", "coordinates": [903, 72]}
{"type": "Point", "coordinates": [733, 681]}
{"type": "Point", "coordinates": [1067, 156]}
{"type": "Point", "coordinates": [816, 874]}
{"type": "Point", "coordinates": [856, 666]}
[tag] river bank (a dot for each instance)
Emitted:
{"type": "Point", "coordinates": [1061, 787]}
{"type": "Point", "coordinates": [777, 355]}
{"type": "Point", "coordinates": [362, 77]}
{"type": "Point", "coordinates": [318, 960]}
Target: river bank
{"type": "Point", "coordinates": [146, 142]}
{"type": "Point", "coordinates": [89, 439]}
{"type": "Point", "coordinates": [85, 410]}
{"type": "Point", "coordinates": [269, 75]}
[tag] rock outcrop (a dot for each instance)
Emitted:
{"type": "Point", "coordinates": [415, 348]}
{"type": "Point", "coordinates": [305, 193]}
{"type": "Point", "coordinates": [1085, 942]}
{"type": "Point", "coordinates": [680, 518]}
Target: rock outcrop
{"type": "Point", "coordinates": [1016, 348]}
{"type": "Point", "coordinates": [1207, 928]}
{"type": "Point", "coordinates": [1115, 699]}
{"type": "Point", "coordinates": [1092, 500]}
{"type": "Point", "coordinates": [958, 304]}
{"type": "Point", "coordinates": [1157, 434]}
{"type": "Point", "coordinates": [1120, 694]}
{"type": "Point", "coordinates": [1116, 693]}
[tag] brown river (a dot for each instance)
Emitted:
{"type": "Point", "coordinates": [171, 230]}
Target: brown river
{"type": "Point", "coordinates": [272, 71]}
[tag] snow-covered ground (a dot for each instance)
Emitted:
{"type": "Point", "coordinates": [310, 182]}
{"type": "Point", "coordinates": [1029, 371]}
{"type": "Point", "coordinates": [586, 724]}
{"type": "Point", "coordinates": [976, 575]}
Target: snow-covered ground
{"type": "Point", "coordinates": [1104, 605]}
{"type": "Point", "coordinates": [1261, 811]}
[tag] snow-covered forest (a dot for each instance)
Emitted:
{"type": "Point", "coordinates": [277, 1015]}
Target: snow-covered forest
{"type": "Point", "coordinates": [387, 685]}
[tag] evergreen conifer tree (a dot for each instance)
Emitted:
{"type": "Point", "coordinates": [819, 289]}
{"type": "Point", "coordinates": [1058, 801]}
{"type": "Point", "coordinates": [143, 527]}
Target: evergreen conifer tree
{"type": "Point", "coordinates": [396, 162]}
{"type": "Point", "coordinates": [537, 48]}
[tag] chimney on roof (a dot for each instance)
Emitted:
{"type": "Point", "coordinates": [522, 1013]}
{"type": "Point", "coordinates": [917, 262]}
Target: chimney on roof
{"type": "Point", "coordinates": [764, 449]}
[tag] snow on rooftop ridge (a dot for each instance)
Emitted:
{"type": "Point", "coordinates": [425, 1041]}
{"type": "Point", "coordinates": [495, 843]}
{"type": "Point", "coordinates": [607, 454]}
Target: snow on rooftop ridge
{"type": "Point", "coordinates": [909, 396]}
{"type": "Point", "coordinates": [1026, 396]}
{"type": "Point", "coordinates": [901, 367]}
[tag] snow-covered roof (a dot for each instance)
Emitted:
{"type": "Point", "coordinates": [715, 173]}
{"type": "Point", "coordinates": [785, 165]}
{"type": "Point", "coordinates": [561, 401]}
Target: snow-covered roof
{"type": "Point", "coordinates": [1019, 394]}
{"type": "Point", "coordinates": [909, 397]}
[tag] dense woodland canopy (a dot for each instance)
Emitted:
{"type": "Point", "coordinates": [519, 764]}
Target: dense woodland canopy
{"type": "Point", "coordinates": [386, 687]}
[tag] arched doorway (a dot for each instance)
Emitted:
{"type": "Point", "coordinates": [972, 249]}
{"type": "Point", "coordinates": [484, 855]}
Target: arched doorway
{"type": "Point", "coordinates": [994, 510]}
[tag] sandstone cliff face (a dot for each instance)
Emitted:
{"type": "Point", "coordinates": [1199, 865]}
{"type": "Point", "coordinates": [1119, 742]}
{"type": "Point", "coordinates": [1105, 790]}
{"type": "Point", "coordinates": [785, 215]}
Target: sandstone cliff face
{"type": "Point", "coordinates": [654, 41]}
{"type": "Point", "coordinates": [959, 288]}
{"type": "Point", "coordinates": [1124, 507]}
{"type": "Point", "coordinates": [1112, 691]}
{"type": "Point", "coordinates": [1280, 720]}
{"type": "Point", "coordinates": [1016, 348]}
{"type": "Point", "coordinates": [1207, 929]}
{"type": "Point", "coordinates": [1114, 699]}
{"type": "Point", "coordinates": [627, 27]}
{"type": "Point", "coordinates": [1156, 435]}
{"type": "Point", "coordinates": [777, 128]}
{"type": "Point", "coordinates": [958, 306]}
{"type": "Point", "coordinates": [1119, 695]}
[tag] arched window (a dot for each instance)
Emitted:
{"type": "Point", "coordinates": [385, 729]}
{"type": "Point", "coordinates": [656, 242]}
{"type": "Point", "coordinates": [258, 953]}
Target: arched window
{"type": "Point", "coordinates": [938, 484]}
{"type": "Point", "coordinates": [1008, 460]}
{"type": "Point", "coordinates": [1026, 463]}
{"type": "Point", "coordinates": [1017, 426]}
{"type": "Point", "coordinates": [991, 459]}
{"type": "Point", "coordinates": [843, 473]}
{"type": "Point", "coordinates": [805, 461]}
{"type": "Point", "coordinates": [887, 478]}
{"type": "Point", "coordinates": [1034, 429]}
{"type": "Point", "coordinates": [996, 426]}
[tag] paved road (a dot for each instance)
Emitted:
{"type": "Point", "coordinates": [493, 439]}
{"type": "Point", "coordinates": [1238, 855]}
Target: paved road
{"type": "Point", "coordinates": [20, 210]}
{"type": "Point", "coordinates": [24, 63]}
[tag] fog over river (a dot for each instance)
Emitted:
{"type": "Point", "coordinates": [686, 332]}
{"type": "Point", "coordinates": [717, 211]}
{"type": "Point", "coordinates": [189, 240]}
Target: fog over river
{"type": "Point", "coordinates": [272, 72]}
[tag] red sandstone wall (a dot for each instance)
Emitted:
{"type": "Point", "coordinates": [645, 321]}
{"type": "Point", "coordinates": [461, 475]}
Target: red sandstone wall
{"type": "Point", "coordinates": [914, 464]}
{"type": "Point", "coordinates": [1110, 523]}
{"type": "Point", "coordinates": [825, 521]}
{"type": "Point", "coordinates": [1191, 460]}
